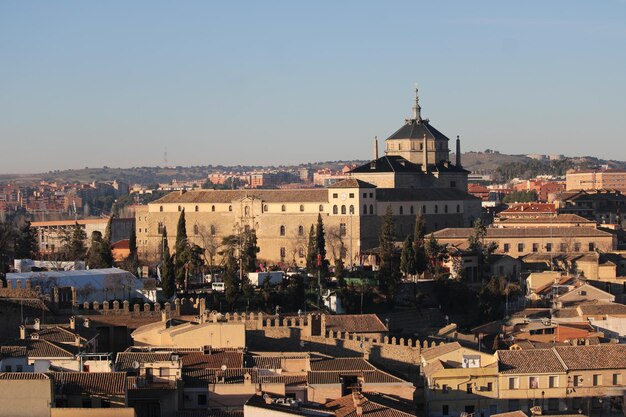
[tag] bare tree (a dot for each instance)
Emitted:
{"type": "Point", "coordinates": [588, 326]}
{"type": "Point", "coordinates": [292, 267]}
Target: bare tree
{"type": "Point", "coordinates": [209, 243]}
{"type": "Point", "coordinates": [334, 239]}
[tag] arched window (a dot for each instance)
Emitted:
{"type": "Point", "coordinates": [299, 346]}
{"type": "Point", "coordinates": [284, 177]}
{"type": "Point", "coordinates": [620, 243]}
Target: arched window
{"type": "Point", "coordinates": [335, 209]}
{"type": "Point", "coordinates": [230, 208]}
{"type": "Point", "coordinates": [364, 208]}
{"type": "Point", "coordinates": [412, 210]}
{"type": "Point", "coordinates": [445, 208]}
{"type": "Point", "coordinates": [351, 209]}
{"type": "Point", "coordinates": [212, 229]}
{"type": "Point", "coordinates": [212, 208]}
{"type": "Point", "coordinates": [283, 252]}
{"type": "Point", "coordinates": [371, 209]}
{"type": "Point", "coordinates": [343, 209]}
{"type": "Point", "coordinates": [436, 208]}
{"type": "Point", "coordinates": [301, 207]}
{"type": "Point", "coordinates": [282, 230]}
{"type": "Point", "coordinates": [321, 207]}
{"type": "Point", "coordinates": [301, 252]}
{"type": "Point", "coordinates": [458, 208]}
{"type": "Point", "coordinates": [283, 208]}
{"type": "Point", "coordinates": [265, 207]}
{"type": "Point", "coordinates": [160, 228]}
{"type": "Point", "coordinates": [424, 209]}
{"type": "Point", "coordinates": [401, 210]}
{"type": "Point", "coordinates": [300, 230]}
{"type": "Point", "coordinates": [196, 229]}
{"type": "Point", "coordinates": [160, 208]}
{"type": "Point", "coordinates": [246, 210]}
{"type": "Point", "coordinates": [197, 208]}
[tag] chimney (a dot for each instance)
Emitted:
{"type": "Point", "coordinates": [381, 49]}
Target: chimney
{"type": "Point", "coordinates": [73, 323]}
{"type": "Point", "coordinates": [86, 323]}
{"type": "Point", "coordinates": [425, 153]}
{"type": "Point", "coordinates": [458, 151]}
{"type": "Point", "coordinates": [163, 315]}
{"type": "Point", "coordinates": [77, 340]}
{"type": "Point", "coordinates": [356, 400]}
{"type": "Point", "coordinates": [22, 332]}
{"type": "Point", "coordinates": [375, 147]}
{"type": "Point", "coordinates": [37, 325]}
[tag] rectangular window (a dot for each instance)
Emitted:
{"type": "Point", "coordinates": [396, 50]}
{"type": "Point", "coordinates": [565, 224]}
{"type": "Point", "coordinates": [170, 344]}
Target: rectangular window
{"type": "Point", "coordinates": [554, 381]}
{"type": "Point", "coordinates": [578, 380]}
{"type": "Point", "coordinates": [452, 184]}
{"type": "Point", "coordinates": [617, 379]}
{"type": "Point", "coordinates": [468, 388]}
{"type": "Point", "coordinates": [202, 399]}
{"type": "Point", "coordinates": [445, 410]}
{"type": "Point", "coordinates": [535, 247]}
{"type": "Point", "coordinates": [548, 247]}
{"type": "Point", "coordinates": [563, 247]}
{"type": "Point", "coordinates": [164, 372]}
{"type": "Point", "coordinates": [364, 195]}
{"type": "Point", "coordinates": [489, 386]}
{"type": "Point", "coordinates": [533, 382]}
{"type": "Point", "coordinates": [371, 195]}
{"type": "Point", "coordinates": [335, 195]}
{"type": "Point", "coordinates": [506, 247]}
{"type": "Point", "coordinates": [445, 388]}
{"type": "Point", "coordinates": [351, 195]}
{"type": "Point", "coordinates": [342, 229]}
{"type": "Point", "coordinates": [283, 252]}
{"type": "Point", "coordinates": [513, 382]}
{"type": "Point", "coordinates": [592, 246]}
{"type": "Point", "coordinates": [520, 247]}
{"type": "Point", "coordinates": [597, 380]}
{"type": "Point", "coordinates": [577, 247]}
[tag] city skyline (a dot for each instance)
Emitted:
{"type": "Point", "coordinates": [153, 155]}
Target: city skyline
{"type": "Point", "coordinates": [119, 84]}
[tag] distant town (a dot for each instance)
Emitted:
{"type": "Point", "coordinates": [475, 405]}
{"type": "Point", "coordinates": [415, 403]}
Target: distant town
{"type": "Point", "coordinates": [425, 281]}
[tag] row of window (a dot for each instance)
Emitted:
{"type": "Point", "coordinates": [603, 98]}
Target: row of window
{"type": "Point", "coordinates": [283, 208]}
{"type": "Point", "coordinates": [553, 381]}
{"type": "Point", "coordinates": [302, 253]}
{"type": "Point", "coordinates": [563, 247]}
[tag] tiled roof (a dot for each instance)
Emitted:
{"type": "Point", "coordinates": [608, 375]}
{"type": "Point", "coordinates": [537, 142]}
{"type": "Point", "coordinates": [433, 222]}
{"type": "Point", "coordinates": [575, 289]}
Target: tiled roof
{"type": "Point", "coordinates": [535, 361]}
{"type": "Point", "coordinates": [530, 208]}
{"type": "Point", "coordinates": [517, 413]}
{"type": "Point", "coordinates": [12, 351]}
{"type": "Point", "coordinates": [352, 183]}
{"type": "Point", "coordinates": [64, 335]}
{"type": "Point", "coordinates": [601, 309]}
{"type": "Point", "coordinates": [341, 364]}
{"type": "Point", "coordinates": [22, 375]}
{"type": "Point", "coordinates": [435, 352]}
{"type": "Point", "coordinates": [495, 233]}
{"type": "Point", "coordinates": [202, 377]}
{"type": "Point", "coordinates": [213, 360]}
{"type": "Point", "coordinates": [227, 196]}
{"type": "Point", "coordinates": [354, 323]}
{"type": "Point", "coordinates": [36, 348]}
{"type": "Point", "coordinates": [112, 383]}
{"type": "Point", "coordinates": [334, 377]}
{"type": "Point", "coordinates": [282, 379]}
{"type": "Point", "coordinates": [605, 356]}
{"type": "Point", "coordinates": [561, 218]}
{"type": "Point", "coordinates": [124, 360]}
{"type": "Point", "coordinates": [209, 413]}
{"type": "Point", "coordinates": [346, 406]}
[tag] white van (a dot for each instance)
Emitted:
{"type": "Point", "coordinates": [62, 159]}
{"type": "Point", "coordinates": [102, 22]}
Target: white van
{"type": "Point", "coordinates": [217, 286]}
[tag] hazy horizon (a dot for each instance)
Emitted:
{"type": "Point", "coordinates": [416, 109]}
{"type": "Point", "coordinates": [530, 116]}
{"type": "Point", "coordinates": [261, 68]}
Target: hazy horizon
{"type": "Point", "coordinates": [281, 83]}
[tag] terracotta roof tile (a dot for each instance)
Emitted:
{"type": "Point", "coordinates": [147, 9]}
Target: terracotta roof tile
{"type": "Point", "coordinates": [534, 361]}
{"type": "Point", "coordinates": [36, 348]}
{"type": "Point", "coordinates": [112, 383]}
{"type": "Point", "coordinates": [124, 361]}
{"type": "Point", "coordinates": [22, 375]}
{"type": "Point", "coordinates": [605, 356]}
{"type": "Point", "coordinates": [354, 323]}
{"type": "Point", "coordinates": [435, 352]}
{"type": "Point", "coordinates": [346, 406]}
{"type": "Point", "coordinates": [213, 360]}
{"type": "Point", "coordinates": [227, 196]}
{"type": "Point", "coordinates": [341, 364]}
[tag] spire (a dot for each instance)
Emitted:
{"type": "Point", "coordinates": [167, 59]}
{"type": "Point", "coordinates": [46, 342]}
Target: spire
{"type": "Point", "coordinates": [375, 147]}
{"type": "Point", "coordinates": [458, 151]}
{"type": "Point", "coordinates": [417, 110]}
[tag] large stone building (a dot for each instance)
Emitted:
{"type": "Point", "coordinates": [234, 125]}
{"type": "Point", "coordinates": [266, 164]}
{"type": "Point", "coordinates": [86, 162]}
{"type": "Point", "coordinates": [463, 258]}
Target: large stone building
{"type": "Point", "coordinates": [351, 209]}
{"type": "Point", "coordinates": [610, 179]}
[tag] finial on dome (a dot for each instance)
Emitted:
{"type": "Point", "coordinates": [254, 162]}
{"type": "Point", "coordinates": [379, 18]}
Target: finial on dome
{"type": "Point", "coordinates": [417, 110]}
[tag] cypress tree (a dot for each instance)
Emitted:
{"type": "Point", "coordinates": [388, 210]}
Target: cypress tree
{"type": "Point", "coordinates": [419, 251]}
{"type": "Point", "coordinates": [250, 249]}
{"type": "Point", "coordinates": [389, 272]}
{"type": "Point", "coordinates": [320, 246]}
{"type": "Point", "coordinates": [74, 248]}
{"type": "Point", "coordinates": [232, 283]}
{"type": "Point", "coordinates": [131, 263]}
{"type": "Point", "coordinates": [311, 253]}
{"type": "Point", "coordinates": [407, 259]}
{"type": "Point", "coordinates": [181, 249]}
{"type": "Point", "coordinates": [168, 278]}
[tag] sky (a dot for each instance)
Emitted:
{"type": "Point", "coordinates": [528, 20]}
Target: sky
{"type": "Point", "coordinates": [121, 83]}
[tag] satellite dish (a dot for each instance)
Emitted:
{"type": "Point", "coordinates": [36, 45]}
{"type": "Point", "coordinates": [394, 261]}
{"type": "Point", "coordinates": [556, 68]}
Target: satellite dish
{"type": "Point", "coordinates": [266, 396]}
{"type": "Point", "coordinates": [223, 368]}
{"type": "Point", "coordinates": [135, 365]}
{"type": "Point", "coordinates": [302, 343]}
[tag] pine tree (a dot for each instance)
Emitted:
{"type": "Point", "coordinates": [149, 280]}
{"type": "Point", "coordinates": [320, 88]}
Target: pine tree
{"type": "Point", "coordinates": [168, 278]}
{"type": "Point", "coordinates": [311, 254]}
{"type": "Point", "coordinates": [389, 272]}
{"type": "Point", "coordinates": [419, 251]}
{"type": "Point", "coordinates": [26, 242]}
{"type": "Point", "coordinates": [74, 248]}
{"type": "Point", "coordinates": [320, 247]}
{"type": "Point", "coordinates": [181, 250]}
{"type": "Point", "coordinates": [407, 259]}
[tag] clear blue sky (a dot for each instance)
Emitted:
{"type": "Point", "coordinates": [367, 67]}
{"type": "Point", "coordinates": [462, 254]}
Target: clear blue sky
{"type": "Point", "coordinates": [87, 83]}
